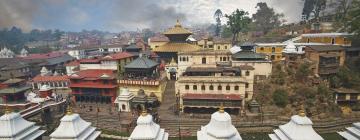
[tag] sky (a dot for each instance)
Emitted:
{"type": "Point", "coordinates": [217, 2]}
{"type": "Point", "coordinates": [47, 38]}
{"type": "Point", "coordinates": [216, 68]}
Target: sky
{"type": "Point", "coordinates": [127, 15]}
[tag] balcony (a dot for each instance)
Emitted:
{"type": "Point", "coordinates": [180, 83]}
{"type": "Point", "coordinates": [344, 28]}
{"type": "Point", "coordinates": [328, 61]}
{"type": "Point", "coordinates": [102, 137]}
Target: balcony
{"type": "Point", "coordinates": [140, 82]}
{"type": "Point", "coordinates": [228, 79]}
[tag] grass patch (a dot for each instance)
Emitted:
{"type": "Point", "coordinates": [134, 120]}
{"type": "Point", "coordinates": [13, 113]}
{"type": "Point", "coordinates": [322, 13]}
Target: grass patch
{"type": "Point", "coordinates": [116, 133]}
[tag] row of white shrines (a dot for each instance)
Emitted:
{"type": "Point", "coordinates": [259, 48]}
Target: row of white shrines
{"type": "Point", "coordinates": [73, 127]}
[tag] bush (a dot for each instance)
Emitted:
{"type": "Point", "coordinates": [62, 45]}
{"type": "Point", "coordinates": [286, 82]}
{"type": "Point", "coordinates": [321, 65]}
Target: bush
{"type": "Point", "coordinates": [280, 97]}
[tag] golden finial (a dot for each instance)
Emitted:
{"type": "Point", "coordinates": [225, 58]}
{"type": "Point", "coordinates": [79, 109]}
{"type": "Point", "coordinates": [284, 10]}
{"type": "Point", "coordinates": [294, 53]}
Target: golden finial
{"type": "Point", "coordinates": [177, 23]}
{"type": "Point", "coordinates": [7, 110]}
{"type": "Point", "coordinates": [302, 111]}
{"type": "Point", "coordinates": [221, 108]}
{"type": "Point", "coordinates": [144, 112]}
{"type": "Point", "coordinates": [172, 61]}
{"type": "Point", "coordinates": [69, 110]}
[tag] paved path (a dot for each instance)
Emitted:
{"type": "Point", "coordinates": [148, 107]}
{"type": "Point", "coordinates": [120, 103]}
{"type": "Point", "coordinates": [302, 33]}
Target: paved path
{"type": "Point", "coordinates": [167, 106]}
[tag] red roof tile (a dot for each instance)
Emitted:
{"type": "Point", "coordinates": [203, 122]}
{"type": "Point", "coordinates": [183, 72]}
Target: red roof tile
{"type": "Point", "coordinates": [40, 78]}
{"type": "Point", "coordinates": [94, 85]}
{"type": "Point", "coordinates": [44, 56]}
{"type": "Point", "coordinates": [93, 74]}
{"type": "Point", "coordinates": [73, 63]}
{"type": "Point", "coordinates": [212, 96]}
{"type": "Point", "coordinates": [90, 60]}
{"type": "Point", "coordinates": [118, 56]}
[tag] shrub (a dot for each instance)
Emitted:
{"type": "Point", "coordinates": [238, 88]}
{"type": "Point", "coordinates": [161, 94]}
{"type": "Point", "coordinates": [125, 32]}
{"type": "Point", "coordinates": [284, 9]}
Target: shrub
{"type": "Point", "coordinates": [280, 97]}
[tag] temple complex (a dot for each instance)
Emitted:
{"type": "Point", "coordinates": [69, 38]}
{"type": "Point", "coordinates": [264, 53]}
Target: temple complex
{"type": "Point", "coordinates": [147, 129]}
{"type": "Point", "coordinates": [177, 43]}
{"type": "Point", "coordinates": [143, 73]}
{"type": "Point", "coordinates": [94, 85]}
{"type": "Point", "coordinates": [351, 133]}
{"type": "Point", "coordinates": [73, 127]}
{"type": "Point", "coordinates": [299, 127]}
{"type": "Point", "coordinates": [219, 128]}
{"type": "Point", "coordinates": [14, 127]}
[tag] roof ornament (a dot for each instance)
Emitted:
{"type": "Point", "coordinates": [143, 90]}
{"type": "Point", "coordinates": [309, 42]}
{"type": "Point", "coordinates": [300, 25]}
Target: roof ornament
{"type": "Point", "coordinates": [144, 111]}
{"type": "Point", "coordinates": [172, 61]}
{"type": "Point", "coordinates": [221, 108]}
{"type": "Point", "coordinates": [7, 109]}
{"type": "Point", "coordinates": [69, 110]}
{"type": "Point", "coordinates": [178, 23]}
{"type": "Point", "coordinates": [302, 111]}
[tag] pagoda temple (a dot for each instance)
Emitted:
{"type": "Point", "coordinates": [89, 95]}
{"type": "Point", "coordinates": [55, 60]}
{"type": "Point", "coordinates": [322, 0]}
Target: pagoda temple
{"type": "Point", "coordinates": [177, 43]}
{"type": "Point", "coordinates": [73, 127]}
{"type": "Point", "coordinates": [219, 128]}
{"type": "Point", "coordinates": [351, 133]}
{"type": "Point", "coordinates": [14, 91]}
{"type": "Point", "coordinates": [146, 129]}
{"type": "Point", "coordinates": [299, 127]}
{"type": "Point", "coordinates": [14, 127]}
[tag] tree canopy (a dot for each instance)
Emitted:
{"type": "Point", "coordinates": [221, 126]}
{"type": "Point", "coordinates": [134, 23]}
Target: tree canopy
{"type": "Point", "coordinates": [218, 15]}
{"type": "Point", "coordinates": [238, 22]}
{"type": "Point", "coordinates": [265, 18]}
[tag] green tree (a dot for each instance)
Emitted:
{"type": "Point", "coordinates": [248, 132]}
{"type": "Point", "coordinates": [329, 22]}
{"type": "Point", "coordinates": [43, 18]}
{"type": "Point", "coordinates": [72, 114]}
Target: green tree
{"type": "Point", "coordinates": [238, 22]}
{"type": "Point", "coordinates": [313, 6]}
{"type": "Point", "coordinates": [302, 72]}
{"type": "Point", "coordinates": [280, 97]}
{"type": "Point", "coordinates": [355, 20]}
{"type": "Point", "coordinates": [218, 15]}
{"type": "Point", "coordinates": [265, 18]}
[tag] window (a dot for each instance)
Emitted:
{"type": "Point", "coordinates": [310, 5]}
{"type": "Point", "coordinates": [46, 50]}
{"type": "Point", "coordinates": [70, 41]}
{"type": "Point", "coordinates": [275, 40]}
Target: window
{"type": "Point", "coordinates": [187, 58]}
{"type": "Point", "coordinates": [203, 61]}
{"type": "Point", "coordinates": [246, 85]}
{"type": "Point", "coordinates": [227, 87]}
{"type": "Point", "coordinates": [156, 46]}
{"type": "Point", "coordinates": [187, 87]}
{"type": "Point", "coordinates": [246, 95]}
{"type": "Point", "coordinates": [273, 49]}
{"type": "Point", "coordinates": [211, 46]}
{"type": "Point", "coordinates": [272, 57]}
{"type": "Point", "coordinates": [194, 87]}
{"type": "Point", "coordinates": [247, 73]}
{"type": "Point", "coordinates": [218, 47]}
{"type": "Point", "coordinates": [202, 87]}
{"type": "Point", "coordinates": [262, 48]}
{"type": "Point", "coordinates": [123, 107]}
{"type": "Point", "coordinates": [308, 40]}
{"type": "Point", "coordinates": [219, 87]}
{"type": "Point", "coordinates": [236, 88]}
{"type": "Point", "coordinates": [225, 47]}
{"type": "Point", "coordinates": [211, 87]}
{"type": "Point", "coordinates": [333, 41]}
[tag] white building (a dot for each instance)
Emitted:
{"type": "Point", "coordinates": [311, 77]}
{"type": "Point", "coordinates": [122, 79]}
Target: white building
{"type": "Point", "coordinates": [124, 100]}
{"type": "Point", "coordinates": [73, 127]}
{"type": "Point", "coordinates": [14, 127]}
{"type": "Point", "coordinates": [219, 128]}
{"type": "Point", "coordinates": [299, 128]}
{"type": "Point", "coordinates": [24, 53]}
{"type": "Point", "coordinates": [291, 48]}
{"type": "Point", "coordinates": [351, 133]}
{"type": "Point", "coordinates": [146, 129]}
{"type": "Point", "coordinates": [6, 53]}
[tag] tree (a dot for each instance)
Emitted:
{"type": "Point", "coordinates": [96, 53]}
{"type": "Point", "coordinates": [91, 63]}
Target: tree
{"type": "Point", "coordinates": [238, 22]}
{"type": "Point", "coordinates": [280, 97]}
{"type": "Point", "coordinates": [218, 15]}
{"type": "Point", "coordinates": [313, 6]}
{"type": "Point", "coordinates": [302, 72]}
{"type": "Point", "coordinates": [355, 20]}
{"type": "Point", "coordinates": [265, 18]}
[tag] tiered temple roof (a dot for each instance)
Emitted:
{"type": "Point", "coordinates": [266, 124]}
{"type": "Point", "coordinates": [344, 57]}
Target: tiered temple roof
{"type": "Point", "coordinates": [73, 127]}
{"type": "Point", "coordinates": [14, 127]}
{"type": "Point", "coordinates": [351, 133]}
{"type": "Point", "coordinates": [146, 129]}
{"type": "Point", "coordinates": [299, 128]}
{"type": "Point", "coordinates": [219, 128]}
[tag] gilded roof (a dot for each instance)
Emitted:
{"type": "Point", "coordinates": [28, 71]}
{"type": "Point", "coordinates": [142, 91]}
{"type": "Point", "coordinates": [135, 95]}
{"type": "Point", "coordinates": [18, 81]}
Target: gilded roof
{"type": "Point", "coordinates": [177, 47]}
{"type": "Point", "coordinates": [177, 29]}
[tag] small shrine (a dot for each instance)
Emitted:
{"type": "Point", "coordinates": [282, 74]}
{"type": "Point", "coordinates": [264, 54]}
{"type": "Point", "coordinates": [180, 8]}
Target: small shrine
{"type": "Point", "coordinates": [73, 127]}
{"type": "Point", "coordinates": [147, 129]}
{"type": "Point", "coordinates": [219, 128]}
{"type": "Point", "coordinates": [14, 127]}
{"type": "Point", "coordinates": [124, 100]}
{"type": "Point", "coordinates": [299, 127]}
{"type": "Point", "coordinates": [45, 91]}
{"type": "Point", "coordinates": [171, 69]}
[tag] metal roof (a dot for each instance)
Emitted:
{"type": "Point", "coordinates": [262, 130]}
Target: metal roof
{"type": "Point", "coordinates": [141, 63]}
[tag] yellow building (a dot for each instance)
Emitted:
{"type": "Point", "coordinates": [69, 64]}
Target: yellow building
{"type": "Point", "coordinates": [273, 51]}
{"type": "Point", "coordinates": [222, 44]}
{"type": "Point", "coordinates": [206, 43]}
{"type": "Point", "coordinates": [342, 39]}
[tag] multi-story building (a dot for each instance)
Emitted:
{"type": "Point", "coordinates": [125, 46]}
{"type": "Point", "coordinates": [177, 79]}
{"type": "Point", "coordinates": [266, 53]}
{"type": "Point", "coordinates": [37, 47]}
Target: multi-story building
{"type": "Point", "coordinates": [345, 96]}
{"type": "Point", "coordinates": [208, 86]}
{"type": "Point", "coordinates": [273, 51]}
{"type": "Point", "coordinates": [94, 85]}
{"type": "Point", "coordinates": [222, 43]}
{"type": "Point", "coordinates": [342, 39]}
{"type": "Point", "coordinates": [326, 60]}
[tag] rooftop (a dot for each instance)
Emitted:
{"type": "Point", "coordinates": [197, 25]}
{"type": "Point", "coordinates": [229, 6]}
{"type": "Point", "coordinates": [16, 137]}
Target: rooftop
{"type": "Point", "coordinates": [40, 78]}
{"type": "Point", "coordinates": [346, 90]}
{"type": "Point", "coordinates": [177, 47]}
{"type": "Point", "coordinates": [177, 29]}
{"type": "Point", "coordinates": [141, 63]}
{"type": "Point", "coordinates": [212, 96]}
{"type": "Point", "coordinates": [118, 56]}
{"type": "Point", "coordinates": [93, 74]}
{"type": "Point", "coordinates": [326, 48]}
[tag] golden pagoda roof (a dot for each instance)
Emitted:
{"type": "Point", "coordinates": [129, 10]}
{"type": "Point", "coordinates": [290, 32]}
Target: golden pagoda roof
{"type": "Point", "coordinates": [177, 47]}
{"type": "Point", "coordinates": [177, 29]}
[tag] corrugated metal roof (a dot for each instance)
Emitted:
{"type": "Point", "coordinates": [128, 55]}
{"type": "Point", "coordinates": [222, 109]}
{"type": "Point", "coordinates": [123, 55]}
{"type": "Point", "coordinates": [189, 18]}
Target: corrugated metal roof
{"type": "Point", "coordinates": [142, 63]}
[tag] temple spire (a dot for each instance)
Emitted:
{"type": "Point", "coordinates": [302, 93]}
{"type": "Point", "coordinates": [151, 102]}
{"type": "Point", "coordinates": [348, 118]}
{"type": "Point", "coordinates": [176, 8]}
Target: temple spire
{"type": "Point", "coordinates": [144, 111]}
{"type": "Point", "coordinates": [7, 110]}
{"type": "Point", "coordinates": [221, 108]}
{"type": "Point", "coordinates": [177, 23]}
{"type": "Point", "coordinates": [302, 111]}
{"type": "Point", "coordinates": [69, 110]}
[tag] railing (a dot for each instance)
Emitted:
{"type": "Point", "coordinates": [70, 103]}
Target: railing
{"type": "Point", "coordinates": [140, 82]}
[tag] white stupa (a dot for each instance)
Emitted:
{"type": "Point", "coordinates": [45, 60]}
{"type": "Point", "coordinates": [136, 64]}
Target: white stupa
{"type": "Point", "coordinates": [290, 48]}
{"type": "Point", "coordinates": [299, 128]}
{"type": "Point", "coordinates": [351, 133]}
{"type": "Point", "coordinates": [123, 100]}
{"type": "Point", "coordinates": [72, 127]}
{"type": "Point", "coordinates": [45, 72]}
{"type": "Point", "coordinates": [219, 128]}
{"type": "Point", "coordinates": [14, 127]}
{"type": "Point", "coordinates": [6, 53]}
{"type": "Point", "coordinates": [146, 129]}
{"type": "Point", "coordinates": [24, 53]}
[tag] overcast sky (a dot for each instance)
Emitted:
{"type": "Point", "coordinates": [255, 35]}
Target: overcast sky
{"type": "Point", "coordinates": [120, 15]}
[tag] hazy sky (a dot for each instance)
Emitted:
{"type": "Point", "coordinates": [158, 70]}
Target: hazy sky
{"type": "Point", "coordinates": [119, 15]}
